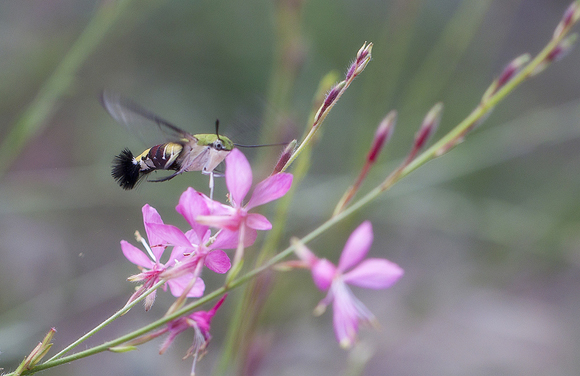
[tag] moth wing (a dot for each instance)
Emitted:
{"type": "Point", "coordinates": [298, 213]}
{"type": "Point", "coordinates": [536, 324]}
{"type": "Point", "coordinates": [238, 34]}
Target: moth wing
{"type": "Point", "coordinates": [195, 157]}
{"type": "Point", "coordinates": [147, 126]}
{"type": "Point", "coordinates": [203, 158]}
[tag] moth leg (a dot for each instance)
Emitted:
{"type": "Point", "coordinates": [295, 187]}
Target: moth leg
{"type": "Point", "coordinates": [166, 177]}
{"type": "Point", "coordinates": [211, 185]}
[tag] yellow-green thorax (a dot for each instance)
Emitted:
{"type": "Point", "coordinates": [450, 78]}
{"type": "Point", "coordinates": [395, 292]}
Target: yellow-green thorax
{"type": "Point", "coordinates": [211, 139]}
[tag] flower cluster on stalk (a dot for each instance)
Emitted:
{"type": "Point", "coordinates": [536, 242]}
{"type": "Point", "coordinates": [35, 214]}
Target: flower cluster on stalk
{"type": "Point", "coordinates": [198, 247]}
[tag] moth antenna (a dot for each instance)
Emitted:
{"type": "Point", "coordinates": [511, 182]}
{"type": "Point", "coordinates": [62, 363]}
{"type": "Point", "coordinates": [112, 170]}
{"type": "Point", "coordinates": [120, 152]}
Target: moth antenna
{"type": "Point", "coordinates": [259, 146]}
{"type": "Point", "coordinates": [217, 128]}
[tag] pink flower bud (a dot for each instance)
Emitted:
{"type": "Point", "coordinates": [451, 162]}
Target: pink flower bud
{"type": "Point", "coordinates": [330, 99]}
{"type": "Point", "coordinates": [382, 135]}
{"type": "Point", "coordinates": [562, 49]}
{"type": "Point", "coordinates": [512, 69]}
{"type": "Point", "coordinates": [506, 75]}
{"type": "Point", "coordinates": [363, 57]}
{"type": "Point", "coordinates": [557, 53]}
{"type": "Point", "coordinates": [284, 157]}
{"type": "Point", "coordinates": [570, 16]}
{"type": "Point", "coordinates": [429, 125]}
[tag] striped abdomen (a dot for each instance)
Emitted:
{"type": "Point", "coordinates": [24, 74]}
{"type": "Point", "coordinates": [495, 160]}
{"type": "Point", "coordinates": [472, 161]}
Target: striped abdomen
{"type": "Point", "coordinates": [129, 170]}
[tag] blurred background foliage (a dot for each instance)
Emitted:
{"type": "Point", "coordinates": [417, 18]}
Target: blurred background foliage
{"type": "Point", "coordinates": [488, 235]}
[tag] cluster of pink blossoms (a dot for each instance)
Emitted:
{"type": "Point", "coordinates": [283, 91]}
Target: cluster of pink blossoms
{"type": "Point", "coordinates": [237, 229]}
{"type": "Point", "coordinates": [197, 247]}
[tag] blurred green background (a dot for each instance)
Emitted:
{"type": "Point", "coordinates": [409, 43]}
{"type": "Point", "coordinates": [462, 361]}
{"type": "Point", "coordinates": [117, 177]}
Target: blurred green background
{"type": "Point", "coordinates": [489, 235]}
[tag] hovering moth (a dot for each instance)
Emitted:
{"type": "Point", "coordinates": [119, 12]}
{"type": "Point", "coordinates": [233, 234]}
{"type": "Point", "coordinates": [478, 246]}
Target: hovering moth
{"type": "Point", "coordinates": [181, 152]}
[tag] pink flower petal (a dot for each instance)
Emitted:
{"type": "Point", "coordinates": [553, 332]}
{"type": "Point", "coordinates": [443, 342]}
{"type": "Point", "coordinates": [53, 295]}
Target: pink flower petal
{"type": "Point", "coordinates": [203, 318]}
{"type": "Point", "coordinates": [348, 312]}
{"type": "Point", "coordinates": [250, 236]}
{"type": "Point", "coordinates": [217, 208]}
{"type": "Point", "coordinates": [192, 204]}
{"type": "Point", "coordinates": [150, 215]}
{"type": "Point", "coordinates": [218, 261]}
{"type": "Point", "coordinates": [135, 255]}
{"type": "Point", "coordinates": [345, 318]}
{"type": "Point", "coordinates": [194, 238]}
{"type": "Point", "coordinates": [258, 222]}
{"type": "Point", "coordinates": [230, 222]}
{"type": "Point", "coordinates": [177, 285]}
{"type": "Point", "coordinates": [270, 189]}
{"type": "Point", "coordinates": [227, 239]}
{"type": "Point", "coordinates": [323, 273]}
{"type": "Point", "coordinates": [238, 176]}
{"type": "Point", "coordinates": [305, 254]}
{"type": "Point", "coordinates": [177, 254]}
{"type": "Point", "coordinates": [170, 235]}
{"type": "Point", "coordinates": [356, 247]}
{"type": "Point", "coordinates": [374, 274]}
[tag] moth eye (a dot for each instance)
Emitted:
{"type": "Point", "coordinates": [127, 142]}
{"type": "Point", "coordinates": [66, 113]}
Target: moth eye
{"type": "Point", "coordinates": [218, 145]}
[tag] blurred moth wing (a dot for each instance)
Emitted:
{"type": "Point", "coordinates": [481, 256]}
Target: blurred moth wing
{"type": "Point", "coordinates": [181, 152]}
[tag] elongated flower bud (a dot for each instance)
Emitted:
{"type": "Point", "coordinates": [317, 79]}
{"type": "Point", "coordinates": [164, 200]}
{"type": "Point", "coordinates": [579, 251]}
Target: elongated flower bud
{"type": "Point", "coordinates": [330, 99]}
{"type": "Point", "coordinates": [363, 57]}
{"type": "Point", "coordinates": [382, 135]}
{"type": "Point", "coordinates": [557, 53]}
{"type": "Point", "coordinates": [285, 157]}
{"type": "Point", "coordinates": [429, 126]}
{"type": "Point", "coordinates": [506, 75]}
{"type": "Point", "coordinates": [37, 353]}
{"type": "Point", "coordinates": [571, 15]}
{"type": "Point", "coordinates": [563, 48]}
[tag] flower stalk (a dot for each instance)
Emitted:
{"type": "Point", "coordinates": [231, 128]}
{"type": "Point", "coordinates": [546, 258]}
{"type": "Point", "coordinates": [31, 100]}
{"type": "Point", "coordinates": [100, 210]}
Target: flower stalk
{"type": "Point", "coordinates": [382, 136]}
{"type": "Point", "coordinates": [362, 59]}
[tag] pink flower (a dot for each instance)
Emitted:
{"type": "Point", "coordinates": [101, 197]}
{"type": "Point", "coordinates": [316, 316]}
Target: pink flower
{"type": "Point", "coordinates": [371, 273]}
{"type": "Point", "coordinates": [152, 269]}
{"type": "Point", "coordinates": [239, 182]}
{"type": "Point", "coordinates": [201, 323]}
{"type": "Point", "coordinates": [196, 244]}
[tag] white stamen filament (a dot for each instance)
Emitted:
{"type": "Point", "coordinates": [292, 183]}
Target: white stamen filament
{"type": "Point", "coordinates": [145, 245]}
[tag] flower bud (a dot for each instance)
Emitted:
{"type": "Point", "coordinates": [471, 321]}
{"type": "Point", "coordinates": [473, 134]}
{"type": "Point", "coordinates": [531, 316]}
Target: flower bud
{"type": "Point", "coordinates": [37, 353]}
{"type": "Point", "coordinates": [570, 16]}
{"type": "Point", "coordinates": [563, 48]}
{"type": "Point", "coordinates": [330, 99]}
{"type": "Point", "coordinates": [557, 53]}
{"type": "Point", "coordinates": [429, 126]}
{"type": "Point", "coordinates": [382, 135]}
{"type": "Point", "coordinates": [506, 75]}
{"type": "Point", "coordinates": [285, 157]}
{"type": "Point", "coordinates": [363, 57]}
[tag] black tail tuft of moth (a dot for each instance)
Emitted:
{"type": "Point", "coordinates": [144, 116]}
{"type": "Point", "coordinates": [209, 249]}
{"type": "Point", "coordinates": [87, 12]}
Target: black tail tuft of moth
{"type": "Point", "coordinates": [126, 171]}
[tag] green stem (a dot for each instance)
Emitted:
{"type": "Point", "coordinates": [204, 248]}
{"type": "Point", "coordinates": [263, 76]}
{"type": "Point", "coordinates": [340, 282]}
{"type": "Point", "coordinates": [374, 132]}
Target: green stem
{"type": "Point", "coordinates": [118, 314]}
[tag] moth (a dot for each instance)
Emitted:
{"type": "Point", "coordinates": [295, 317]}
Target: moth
{"type": "Point", "coordinates": [181, 152]}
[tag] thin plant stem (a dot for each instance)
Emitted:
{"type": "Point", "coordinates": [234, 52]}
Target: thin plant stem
{"type": "Point", "coordinates": [118, 314]}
